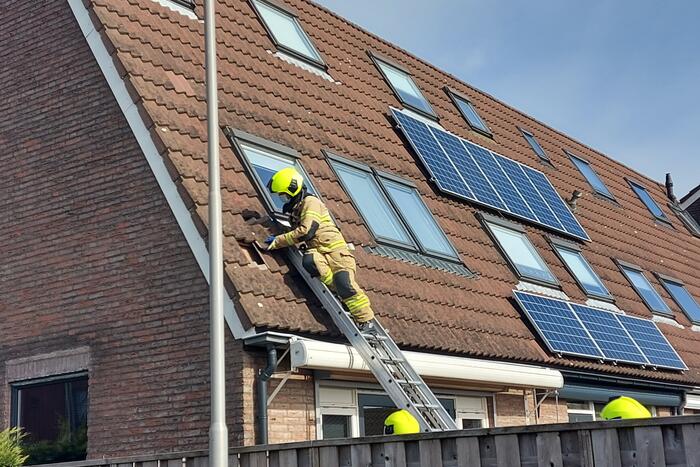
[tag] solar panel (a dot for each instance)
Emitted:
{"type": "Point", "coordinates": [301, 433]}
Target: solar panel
{"type": "Point", "coordinates": [558, 326]}
{"type": "Point", "coordinates": [433, 157]}
{"type": "Point", "coordinates": [469, 171]}
{"type": "Point", "coordinates": [613, 340]}
{"type": "Point", "coordinates": [652, 342]}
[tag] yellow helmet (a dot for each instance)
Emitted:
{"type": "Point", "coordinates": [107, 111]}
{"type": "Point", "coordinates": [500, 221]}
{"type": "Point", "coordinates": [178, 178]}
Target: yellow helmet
{"type": "Point", "coordinates": [623, 408]}
{"type": "Point", "coordinates": [286, 181]}
{"type": "Point", "coordinates": [401, 422]}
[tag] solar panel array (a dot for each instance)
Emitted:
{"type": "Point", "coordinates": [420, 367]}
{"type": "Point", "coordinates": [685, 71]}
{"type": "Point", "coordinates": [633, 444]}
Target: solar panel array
{"type": "Point", "coordinates": [583, 331]}
{"type": "Point", "coordinates": [468, 171]}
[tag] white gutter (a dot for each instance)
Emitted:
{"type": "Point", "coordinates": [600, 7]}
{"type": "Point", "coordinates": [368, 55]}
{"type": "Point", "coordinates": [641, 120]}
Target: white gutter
{"type": "Point", "coordinates": [692, 401]}
{"type": "Point", "coordinates": [324, 356]}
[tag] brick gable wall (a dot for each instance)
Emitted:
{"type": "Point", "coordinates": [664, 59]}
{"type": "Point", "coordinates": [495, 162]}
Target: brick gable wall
{"type": "Point", "coordinates": [90, 254]}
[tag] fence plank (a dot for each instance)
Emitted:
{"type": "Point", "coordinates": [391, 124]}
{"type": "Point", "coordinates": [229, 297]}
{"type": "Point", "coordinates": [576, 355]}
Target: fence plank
{"type": "Point", "coordinates": [361, 455]}
{"type": "Point", "coordinates": [691, 444]}
{"type": "Point", "coordinates": [283, 458]}
{"type": "Point", "coordinates": [649, 446]}
{"type": "Point", "coordinates": [254, 459]}
{"type": "Point", "coordinates": [199, 461]}
{"type": "Point", "coordinates": [430, 453]}
{"type": "Point", "coordinates": [232, 461]}
{"type": "Point", "coordinates": [673, 446]}
{"type": "Point", "coordinates": [449, 452]}
{"type": "Point", "coordinates": [328, 455]}
{"type": "Point", "coordinates": [527, 443]}
{"type": "Point", "coordinates": [606, 448]}
{"type": "Point", "coordinates": [394, 455]}
{"type": "Point", "coordinates": [344, 456]}
{"type": "Point", "coordinates": [586, 446]}
{"type": "Point", "coordinates": [507, 450]}
{"type": "Point", "coordinates": [487, 451]}
{"type": "Point", "coordinates": [468, 452]}
{"type": "Point", "coordinates": [308, 457]}
{"type": "Point", "coordinates": [549, 450]}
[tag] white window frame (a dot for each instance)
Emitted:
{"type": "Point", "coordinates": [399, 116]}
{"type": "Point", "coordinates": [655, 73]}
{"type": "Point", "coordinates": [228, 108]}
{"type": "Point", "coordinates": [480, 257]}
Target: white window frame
{"type": "Point", "coordinates": [464, 407]}
{"type": "Point", "coordinates": [591, 409]}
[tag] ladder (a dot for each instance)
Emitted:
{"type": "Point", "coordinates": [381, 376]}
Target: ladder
{"type": "Point", "coordinates": [381, 354]}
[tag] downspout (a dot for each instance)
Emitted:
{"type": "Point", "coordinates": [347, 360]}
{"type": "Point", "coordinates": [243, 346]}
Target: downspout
{"type": "Point", "coordinates": [264, 376]}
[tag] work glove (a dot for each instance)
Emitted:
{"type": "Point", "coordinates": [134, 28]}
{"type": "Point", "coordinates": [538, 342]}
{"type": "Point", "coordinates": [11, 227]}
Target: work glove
{"type": "Point", "coordinates": [269, 241]}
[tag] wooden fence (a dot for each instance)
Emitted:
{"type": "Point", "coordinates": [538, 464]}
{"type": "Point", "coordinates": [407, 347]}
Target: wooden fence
{"type": "Point", "coordinates": [658, 442]}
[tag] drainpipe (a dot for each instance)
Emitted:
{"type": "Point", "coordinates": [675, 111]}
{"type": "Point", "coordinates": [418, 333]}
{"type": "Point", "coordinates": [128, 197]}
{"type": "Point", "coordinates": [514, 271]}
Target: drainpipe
{"type": "Point", "coordinates": [264, 376]}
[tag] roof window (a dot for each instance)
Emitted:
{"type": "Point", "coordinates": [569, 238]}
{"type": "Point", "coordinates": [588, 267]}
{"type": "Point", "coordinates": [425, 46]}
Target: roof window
{"type": "Point", "coordinates": [644, 288]}
{"type": "Point", "coordinates": [392, 209]}
{"type": "Point", "coordinates": [404, 87]}
{"type": "Point", "coordinates": [517, 249]}
{"type": "Point", "coordinates": [649, 202]}
{"type": "Point", "coordinates": [535, 145]}
{"type": "Point", "coordinates": [286, 32]}
{"type": "Point", "coordinates": [580, 269]}
{"type": "Point", "coordinates": [682, 297]}
{"type": "Point", "coordinates": [591, 176]}
{"type": "Point", "coordinates": [468, 111]}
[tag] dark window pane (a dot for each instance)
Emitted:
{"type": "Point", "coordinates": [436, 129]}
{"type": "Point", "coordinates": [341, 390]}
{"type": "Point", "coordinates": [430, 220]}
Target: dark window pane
{"type": "Point", "coordinates": [591, 176]}
{"type": "Point", "coordinates": [535, 145]}
{"type": "Point", "coordinates": [470, 114]}
{"type": "Point", "coordinates": [468, 423]}
{"type": "Point", "coordinates": [686, 301]}
{"type": "Point", "coordinates": [646, 291]}
{"type": "Point", "coordinates": [375, 408]}
{"type": "Point", "coordinates": [648, 201]}
{"type": "Point", "coordinates": [580, 417]}
{"type": "Point", "coordinates": [54, 416]}
{"type": "Point", "coordinates": [336, 426]}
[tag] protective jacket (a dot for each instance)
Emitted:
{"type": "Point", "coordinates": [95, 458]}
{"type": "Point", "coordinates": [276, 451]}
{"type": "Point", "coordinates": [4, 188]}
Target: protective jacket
{"type": "Point", "coordinates": [326, 256]}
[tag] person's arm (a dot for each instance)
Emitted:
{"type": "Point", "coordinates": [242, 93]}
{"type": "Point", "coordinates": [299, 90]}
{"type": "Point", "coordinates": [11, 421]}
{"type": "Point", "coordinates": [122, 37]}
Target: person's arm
{"type": "Point", "coordinates": [309, 221]}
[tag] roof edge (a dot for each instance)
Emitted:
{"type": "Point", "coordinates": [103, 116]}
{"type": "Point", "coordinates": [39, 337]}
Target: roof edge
{"type": "Point", "coordinates": [148, 142]}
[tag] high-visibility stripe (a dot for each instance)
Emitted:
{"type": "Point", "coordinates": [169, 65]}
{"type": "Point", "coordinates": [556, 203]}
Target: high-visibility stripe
{"type": "Point", "coordinates": [335, 245]}
{"type": "Point", "coordinates": [356, 302]}
{"type": "Point", "coordinates": [327, 278]}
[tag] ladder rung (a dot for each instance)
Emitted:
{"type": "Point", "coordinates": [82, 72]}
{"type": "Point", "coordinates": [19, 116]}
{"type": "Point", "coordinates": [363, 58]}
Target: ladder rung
{"type": "Point", "coordinates": [392, 360]}
{"type": "Point", "coordinates": [375, 337]}
{"type": "Point", "coordinates": [427, 406]}
{"type": "Point", "coordinates": [408, 381]}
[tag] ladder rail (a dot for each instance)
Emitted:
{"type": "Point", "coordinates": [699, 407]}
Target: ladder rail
{"type": "Point", "coordinates": [384, 359]}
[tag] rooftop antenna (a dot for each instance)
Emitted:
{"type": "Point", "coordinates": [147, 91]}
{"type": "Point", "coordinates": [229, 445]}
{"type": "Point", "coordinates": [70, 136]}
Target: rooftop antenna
{"type": "Point", "coordinates": [669, 189]}
{"type": "Point", "coordinates": [574, 198]}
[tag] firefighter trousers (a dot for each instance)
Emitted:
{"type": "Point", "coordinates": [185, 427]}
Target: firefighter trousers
{"type": "Point", "coordinates": [337, 270]}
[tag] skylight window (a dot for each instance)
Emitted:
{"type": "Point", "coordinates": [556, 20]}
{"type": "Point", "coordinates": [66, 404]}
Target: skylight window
{"type": "Point", "coordinates": [682, 297]}
{"type": "Point", "coordinates": [263, 159]}
{"type": "Point", "coordinates": [392, 209]}
{"type": "Point", "coordinates": [585, 168]}
{"type": "Point", "coordinates": [404, 87]}
{"type": "Point", "coordinates": [517, 249]}
{"type": "Point", "coordinates": [644, 288]}
{"type": "Point", "coordinates": [286, 32]}
{"type": "Point", "coordinates": [648, 201]}
{"type": "Point", "coordinates": [535, 145]}
{"type": "Point", "coordinates": [468, 111]}
{"type": "Point", "coordinates": [581, 270]}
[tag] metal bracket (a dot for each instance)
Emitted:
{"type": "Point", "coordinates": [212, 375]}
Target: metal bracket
{"type": "Point", "coordinates": [287, 374]}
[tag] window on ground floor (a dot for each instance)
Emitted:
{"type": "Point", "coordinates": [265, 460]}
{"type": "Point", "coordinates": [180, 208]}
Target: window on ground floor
{"type": "Point", "coordinates": [588, 411]}
{"type": "Point", "coordinates": [346, 412]}
{"type": "Point", "coordinates": [53, 412]}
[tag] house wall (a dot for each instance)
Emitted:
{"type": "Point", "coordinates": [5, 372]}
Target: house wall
{"type": "Point", "coordinates": [90, 255]}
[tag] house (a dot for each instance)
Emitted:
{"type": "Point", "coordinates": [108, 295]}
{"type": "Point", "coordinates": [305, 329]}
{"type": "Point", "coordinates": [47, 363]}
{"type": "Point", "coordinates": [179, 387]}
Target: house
{"type": "Point", "coordinates": [691, 204]}
{"type": "Point", "coordinates": [103, 235]}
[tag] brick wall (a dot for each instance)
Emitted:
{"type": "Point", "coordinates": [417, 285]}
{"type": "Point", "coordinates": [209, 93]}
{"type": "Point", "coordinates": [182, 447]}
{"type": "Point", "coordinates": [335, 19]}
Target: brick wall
{"type": "Point", "coordinates": [515, 408]}
{"type": "Point", "coordinates": [90, 254]}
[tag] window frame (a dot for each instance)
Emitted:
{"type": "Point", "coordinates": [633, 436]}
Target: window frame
{"type": "Point", "coordinates": [377, 59]}
{"type": "Point", "coordinates": [377, 177]}
{"type": "Point", "coordinates": [558, 243]}
{"type": "Point", "coordinates": [622, 265]}
{"type": "Point", "coordinates": [663, 279]}
{"type": "Point", "coordinates": [185, 3]}
{"type": "Point", "coordinates": [487, 219]}
{"type": "Point", "coordinates": [17, 386]}
{"type": "Point", "coordinates": [317, 62]}
{"type": "Point", "coordinates": [664, 219]}
{"type": "Point", "coordinates": [237, 138]}
{"type": "Point", "coordinates": [686, 219]}
{"type": "Point", "coordinates": [543, 158]}
{"type": "Point", "coordinates": [456, 96]}
{"type": "Point", "coordinates": [609, 195]}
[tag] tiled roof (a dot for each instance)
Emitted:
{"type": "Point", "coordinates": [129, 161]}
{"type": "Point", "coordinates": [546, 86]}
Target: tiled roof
{"type": "Point", "coordinates": [162, 53]}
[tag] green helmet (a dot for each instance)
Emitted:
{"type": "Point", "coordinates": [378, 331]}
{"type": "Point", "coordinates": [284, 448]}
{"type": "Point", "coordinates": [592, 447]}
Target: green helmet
{"type": "Point", "coordinates": [401, 422]}
{"type": "Point", "coordinates": [623, 408]}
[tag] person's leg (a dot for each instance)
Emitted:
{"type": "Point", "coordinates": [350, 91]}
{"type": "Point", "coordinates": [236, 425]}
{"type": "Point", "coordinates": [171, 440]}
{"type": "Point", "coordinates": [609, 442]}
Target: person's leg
{"type": "Point", "coordinates": [342, 263]}
{"type": "Point", "coordinates": [317, 265]}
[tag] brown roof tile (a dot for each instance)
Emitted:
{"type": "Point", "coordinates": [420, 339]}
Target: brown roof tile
{"type": "Point", "coordinates": [161, 53]}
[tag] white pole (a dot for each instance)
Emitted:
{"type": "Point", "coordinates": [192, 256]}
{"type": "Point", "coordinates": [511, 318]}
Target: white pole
{"type": "Point", "coordinates": [218, 433]}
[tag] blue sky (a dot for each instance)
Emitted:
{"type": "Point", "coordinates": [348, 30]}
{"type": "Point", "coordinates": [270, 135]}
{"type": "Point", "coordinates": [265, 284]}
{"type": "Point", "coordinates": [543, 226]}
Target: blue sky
{"type": "Point", "coordinates": [622, 76]}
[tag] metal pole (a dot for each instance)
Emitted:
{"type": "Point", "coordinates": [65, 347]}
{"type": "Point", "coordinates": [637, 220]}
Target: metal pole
{"type": "Point", "coordinates": [218, 433]}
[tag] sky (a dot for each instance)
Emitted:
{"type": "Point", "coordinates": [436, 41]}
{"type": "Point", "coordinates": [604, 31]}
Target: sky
{"type": "Point", "coordinates": [621, 76]}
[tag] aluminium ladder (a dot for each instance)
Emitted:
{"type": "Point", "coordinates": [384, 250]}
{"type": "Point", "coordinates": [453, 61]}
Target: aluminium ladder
{"type": "Point", "coordinates": [381, 354]}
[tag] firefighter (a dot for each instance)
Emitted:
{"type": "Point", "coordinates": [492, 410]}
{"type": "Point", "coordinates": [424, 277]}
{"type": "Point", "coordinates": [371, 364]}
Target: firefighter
{"type": "Point", "coordinates": [624, 408]}
{"type": "Point", "coordinates": [326, 256]}
{"type": "Point", "coordinates": [401, 422]}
